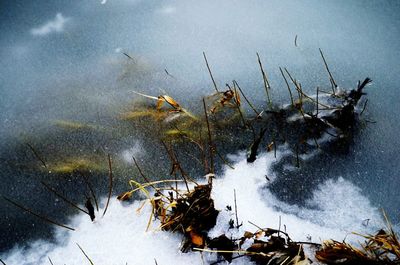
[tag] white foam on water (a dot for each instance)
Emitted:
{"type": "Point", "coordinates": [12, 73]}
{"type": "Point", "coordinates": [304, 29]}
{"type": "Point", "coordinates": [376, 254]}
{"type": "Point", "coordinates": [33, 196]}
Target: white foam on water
{"type": "Point", "coordinates": [336, 208]}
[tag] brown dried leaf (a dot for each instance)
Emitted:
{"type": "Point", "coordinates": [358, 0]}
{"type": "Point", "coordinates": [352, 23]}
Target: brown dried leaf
{"type": "Point", "coordinates": [125, 196]}
{"type": "Point", "coordinates": [171, 101]}
{"type": "Point", "coordinates": [196, 239]}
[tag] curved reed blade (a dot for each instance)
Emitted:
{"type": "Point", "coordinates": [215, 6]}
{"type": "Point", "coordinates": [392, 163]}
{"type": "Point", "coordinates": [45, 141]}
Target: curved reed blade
{"type": "Point", "coordinates": [110, 187]}
{"type": "Point", "coordinates": [209, 71]}
{"type": "Point", "coordinates": [334, 85]}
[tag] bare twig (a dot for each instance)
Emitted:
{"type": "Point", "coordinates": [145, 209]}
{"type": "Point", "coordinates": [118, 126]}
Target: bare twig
{"type": "Point", "coordinates": [175, 165]}
{"type": "Point", "coordinates": [288, 87]}
{"type": "Point", "coordinates": [36, 154]}
{"type": "Point", "coordinates": [185, 176]}
{"type": "Point", "coordinates": [210, 143]}
{"type": "Point", "coordinates": [50, 261]}
{"type": "Point", "coordinates": [326, 92]}
{"type": "Point", "coordinates": [302, 114]}
{"type": "Point", "coordinates": [203, 152]}
{"type": "Point", "coordinates": [334, 85]}
{"type": "Point", "coordinates": [265, 79]}
{"type": "Point", "coordinates": [295, 41]}
{"type": "Point", "coordinates": [169, 74]}
{"type": "Point", "coordinates": [127, 55]}
{"type": "Point", "coordinates": [209, 71]}
{"type": "Point", "coordinates": [245, 124]}
{"type": "Point", "coordinates": [2, 262]}
{"type": "Point", "coordinates": [63, 198]}
{"type": "Point", "coordinates": [140, 170]}
{"type": "Point", "coordinates": [248, 102]}
{"type": "Point", "coordinates": [91, 262]}
{"type": "Point", "coordinates": [37, 215]}
{"type": "Point", "coordinates": [110, 187]}
{"type": "Point", "coordinates": [300, 91]}
{"type": "Point", "coordinates": [224, 160]}
{"type": "Point", "coordinates": [238, 106]}
{"type": "Point", "coordinates": [255, 225]}
{"type": "Point", "coordinates": [173, 170]}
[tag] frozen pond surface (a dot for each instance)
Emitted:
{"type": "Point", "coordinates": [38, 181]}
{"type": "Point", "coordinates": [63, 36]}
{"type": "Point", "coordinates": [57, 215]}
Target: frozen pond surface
{"type": "Point", "coordinates": [64, 61]}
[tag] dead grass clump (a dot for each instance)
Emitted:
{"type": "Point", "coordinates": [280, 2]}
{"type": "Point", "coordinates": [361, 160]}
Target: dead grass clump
{"type": "Point", "coordinates": [193, 214]}
{"type": "Point", "coordinates": [190, 212]}
{"type": "Point", "coordinates": [381, 248]}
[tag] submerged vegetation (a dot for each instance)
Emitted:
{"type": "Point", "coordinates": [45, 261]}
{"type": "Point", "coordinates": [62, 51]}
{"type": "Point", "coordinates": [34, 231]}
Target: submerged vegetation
{"type": "Point", "coordinates": [72, 165]}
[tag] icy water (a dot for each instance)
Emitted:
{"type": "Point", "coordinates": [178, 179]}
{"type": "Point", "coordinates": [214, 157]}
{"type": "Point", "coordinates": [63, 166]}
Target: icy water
{"type": "Point", "coordinates": [65, 62]}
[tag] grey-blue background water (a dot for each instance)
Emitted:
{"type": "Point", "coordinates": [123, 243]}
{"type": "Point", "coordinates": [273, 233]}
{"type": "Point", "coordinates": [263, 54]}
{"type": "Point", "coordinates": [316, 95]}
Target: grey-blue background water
{"type": "Point", "coordinates": [73, 68]}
